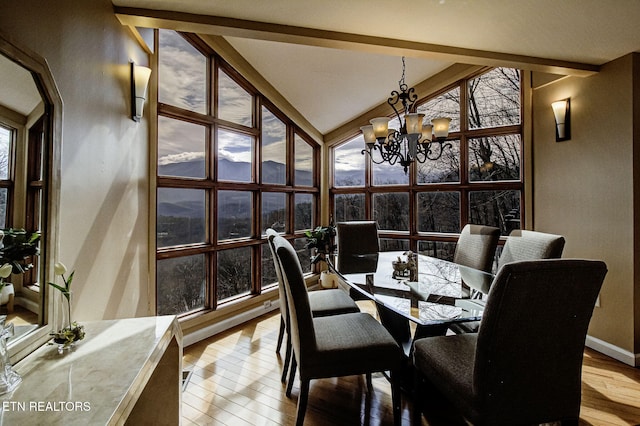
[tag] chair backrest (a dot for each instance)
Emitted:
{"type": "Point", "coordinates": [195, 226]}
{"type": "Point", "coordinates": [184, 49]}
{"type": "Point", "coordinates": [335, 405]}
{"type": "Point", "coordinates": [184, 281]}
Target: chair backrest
{"type": "Point", "coordinates": [282, 295]}
{"type": "Point", "coordinates": [476, 247]}
{"type": "Point", "coordinates": [358, 246]}
{"type": "Point", "coordinates": [301, 319]}
{"type": "Point", "coordinates": [530, 346]}
{"type": "Point", "coordinates": [531, 245]}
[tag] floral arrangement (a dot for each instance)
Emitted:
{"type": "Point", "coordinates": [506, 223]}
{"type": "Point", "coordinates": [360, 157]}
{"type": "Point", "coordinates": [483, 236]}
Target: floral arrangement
{"type": "Point", "coordinates": [321, 238]}
{"type": "Point", "coordinates": [71, 331]}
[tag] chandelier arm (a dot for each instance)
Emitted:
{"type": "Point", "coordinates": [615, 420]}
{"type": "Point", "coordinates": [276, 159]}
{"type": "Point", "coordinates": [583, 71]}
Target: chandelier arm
{"type": "Point", "coordinates": [373, 159]}
{"type": "Point", "coordinates": [432, 154]}
{"type": "Point", "coordinates": [393, 101]}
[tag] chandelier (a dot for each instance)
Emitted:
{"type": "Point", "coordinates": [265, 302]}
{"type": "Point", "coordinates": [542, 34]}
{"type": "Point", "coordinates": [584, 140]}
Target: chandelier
{"type": "Point", "coordinates": [414, 141]}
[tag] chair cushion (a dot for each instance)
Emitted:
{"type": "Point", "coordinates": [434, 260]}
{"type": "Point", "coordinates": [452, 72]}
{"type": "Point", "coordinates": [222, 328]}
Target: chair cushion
{"type": "Point", "coordinates": [531, 245]}
{"type": "Point", "coordinates": [331, 302]}
{"type": "Point", "coordinates": [447, 361]}
{"type": "Point", "coordinates": [350, 344]}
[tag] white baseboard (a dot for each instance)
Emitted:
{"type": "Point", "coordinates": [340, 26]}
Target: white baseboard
{"type": "Point", "coordinates": [219, 327]}
{"type": "Point", "coordinates": [27, 304]}
{"type": "Point", "coordinates": [613, 351]}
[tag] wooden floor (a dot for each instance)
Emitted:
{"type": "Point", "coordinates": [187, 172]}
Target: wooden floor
{"type": "Point", "coordinates": [235, 381]}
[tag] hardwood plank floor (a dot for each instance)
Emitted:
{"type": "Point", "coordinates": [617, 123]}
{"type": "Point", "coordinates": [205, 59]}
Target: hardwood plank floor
{"type": "Point", "coordinates": [236, 381]}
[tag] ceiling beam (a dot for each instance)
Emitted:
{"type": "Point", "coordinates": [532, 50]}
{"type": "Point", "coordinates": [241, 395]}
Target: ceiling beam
{"type": "Point", "coordinates": [218, 25]}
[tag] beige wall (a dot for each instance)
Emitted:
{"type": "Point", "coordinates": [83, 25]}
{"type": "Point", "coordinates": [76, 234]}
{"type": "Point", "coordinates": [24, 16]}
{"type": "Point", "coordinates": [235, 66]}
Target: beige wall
{"type": "Point", "coordinates": [584, 187]}
{"type": "Point", "coordinates": [104, 210]}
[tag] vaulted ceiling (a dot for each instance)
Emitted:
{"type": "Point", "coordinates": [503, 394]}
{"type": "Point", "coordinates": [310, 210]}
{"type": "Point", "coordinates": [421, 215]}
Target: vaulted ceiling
{"type": "Point", "coordinates": [334, 59]}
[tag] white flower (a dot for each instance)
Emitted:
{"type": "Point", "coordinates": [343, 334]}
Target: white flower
{"type": "Point", "coordinates": [5, 270]}
{"type": "Point", "coordinates": [58, 268]}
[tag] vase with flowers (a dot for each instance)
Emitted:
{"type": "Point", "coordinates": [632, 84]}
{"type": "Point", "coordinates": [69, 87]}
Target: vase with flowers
{"type": "Point", "coordinates": [71, 332]}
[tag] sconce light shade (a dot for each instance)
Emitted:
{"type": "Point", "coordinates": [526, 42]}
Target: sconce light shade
{"type": "Point", "coordinates": [561, 112]}
{"type": "Point", "coordinates": [139, 82]}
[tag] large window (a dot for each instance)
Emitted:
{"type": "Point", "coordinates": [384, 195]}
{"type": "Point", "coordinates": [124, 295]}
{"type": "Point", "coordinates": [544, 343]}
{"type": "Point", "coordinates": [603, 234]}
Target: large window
{"type": "Point", "coordinates": [230, 165]}
{"type": "Point", "coordinates": [477, 180]}
{"type": "Point", "coordinates": [7, 137]}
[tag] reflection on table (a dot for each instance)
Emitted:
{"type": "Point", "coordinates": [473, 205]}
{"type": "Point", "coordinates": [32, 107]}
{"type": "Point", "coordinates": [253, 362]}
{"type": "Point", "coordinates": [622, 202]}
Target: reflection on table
{"type": "Point", "coordinates": [432, 302]}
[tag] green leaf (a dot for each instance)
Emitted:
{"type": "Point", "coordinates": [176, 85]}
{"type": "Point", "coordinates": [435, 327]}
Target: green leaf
{"type": "Point", "coordinates": [69, 280]}
{"type": "Point", "coordinates": [62, 289]}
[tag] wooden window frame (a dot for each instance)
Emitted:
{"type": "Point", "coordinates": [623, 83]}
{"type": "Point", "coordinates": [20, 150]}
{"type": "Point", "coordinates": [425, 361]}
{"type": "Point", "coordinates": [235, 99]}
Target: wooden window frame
{"type": "Point", "coordinates": [211, 185]}
{"type": "Point", "coordinates": [464, 187]}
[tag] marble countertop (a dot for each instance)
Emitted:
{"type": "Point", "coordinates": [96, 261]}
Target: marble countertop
{"type": "Point", "coordinates": [98, 381]}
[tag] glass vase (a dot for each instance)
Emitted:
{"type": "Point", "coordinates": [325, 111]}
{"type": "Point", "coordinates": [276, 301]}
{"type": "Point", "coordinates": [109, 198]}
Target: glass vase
{"type": "Point", "coordinates": [9, 379]}
{"type": "Point", "coordinates": [70, 333]}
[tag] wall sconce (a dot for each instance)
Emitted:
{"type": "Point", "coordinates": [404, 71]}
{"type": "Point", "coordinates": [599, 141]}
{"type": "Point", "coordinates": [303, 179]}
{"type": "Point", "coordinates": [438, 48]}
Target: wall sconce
{"type": "Point", "coordinates": [139, 81]}
{"type": "Point", "coordinates": [561, 112]}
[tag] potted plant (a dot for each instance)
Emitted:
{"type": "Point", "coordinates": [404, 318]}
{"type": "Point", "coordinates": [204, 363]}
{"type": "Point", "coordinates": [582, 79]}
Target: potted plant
{"type": "Point", "coordinates": [17, 247]}
{"type": "Point", "coordinates": [321, 239]}
{"type": "Point", "coordinates": [71, 332]}
{"type": "Point", "coordinates": [6, 289]}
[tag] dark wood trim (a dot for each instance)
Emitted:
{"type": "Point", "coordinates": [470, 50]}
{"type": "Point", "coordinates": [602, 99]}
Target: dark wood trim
{"type": "Point", "coordinates": [211, 184]}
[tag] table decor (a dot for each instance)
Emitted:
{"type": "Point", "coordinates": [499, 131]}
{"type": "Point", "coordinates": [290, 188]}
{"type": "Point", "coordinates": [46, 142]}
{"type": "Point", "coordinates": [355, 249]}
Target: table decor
{"type": "Point", "coordinates": [71, 332]}
{"type": "Point", "coordinates": [406, 268]}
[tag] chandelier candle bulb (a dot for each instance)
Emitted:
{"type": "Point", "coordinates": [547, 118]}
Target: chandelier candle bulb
{"type": "Point", "coordinates": [427, 133]}
{"type": "Point", "coordinates": [369, 135]}
{"type": "Point", "coordinates": [414, 123]}
{"type": "Point", "coordinates": [441, 127]}
{"type": "Point", "coordinates": [380, 127]}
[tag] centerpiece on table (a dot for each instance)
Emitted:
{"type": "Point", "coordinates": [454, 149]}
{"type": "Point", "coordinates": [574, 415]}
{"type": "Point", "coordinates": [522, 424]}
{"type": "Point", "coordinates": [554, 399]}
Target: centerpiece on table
{"type": "Point", "coordinates": [71, 332]}
{"type": "Point", "coordinates": [406, 268]}
{"type": "Point", "coordinates": [322, 240]}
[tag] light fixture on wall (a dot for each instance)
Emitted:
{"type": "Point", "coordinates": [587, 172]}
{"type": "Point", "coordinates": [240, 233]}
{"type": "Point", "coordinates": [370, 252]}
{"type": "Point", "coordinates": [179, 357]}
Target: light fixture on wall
{"type": "Point", "coordinates": [561, 112]}
{"type": "Point", "coordinates": [414, 141]}
{"type": "Point", "coordinates": [139, 81]}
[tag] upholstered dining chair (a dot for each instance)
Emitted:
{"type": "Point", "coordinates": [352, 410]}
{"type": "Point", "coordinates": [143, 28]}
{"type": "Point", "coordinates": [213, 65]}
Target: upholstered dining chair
{"type": "Point", "coordinates": [333, 346]}
{"type": "Point", "coordinates": [476, 247]}
{"type": "Point", "coordinates": [322, 303]}
{"type": "Point", "coordinates": [531, 245]}
{"type": "Point", "coordinates": [358, 246]}
{"type": "Point", "coordinates": [521, 245]}
{"type": "Point", "coordinates": [524, 364]}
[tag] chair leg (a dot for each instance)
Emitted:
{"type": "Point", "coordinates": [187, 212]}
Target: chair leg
{"type": "Point", "coordinates": [287, 359]}
{"type": "Point", "coordinates": [303, 397]}
{"type": "Point", "coordinates": [396, 398]}
{"type": "Point", "coordinates": [280, 334]}
{"type": "Point", "coordinates": [292, 376]}
{"type": "Point", "coordinates": [418, 395]}
{"type": "Point", "coordinates": [369, 383]}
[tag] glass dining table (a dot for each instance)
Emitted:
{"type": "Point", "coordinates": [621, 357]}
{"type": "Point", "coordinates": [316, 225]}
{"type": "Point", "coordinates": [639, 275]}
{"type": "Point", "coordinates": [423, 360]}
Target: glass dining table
{"type": "Point", "coordinates": [442, 295]}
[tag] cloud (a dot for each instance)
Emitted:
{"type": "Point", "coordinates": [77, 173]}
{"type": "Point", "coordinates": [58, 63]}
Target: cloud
{"type": "Point", "coordinates": [182, 157]}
